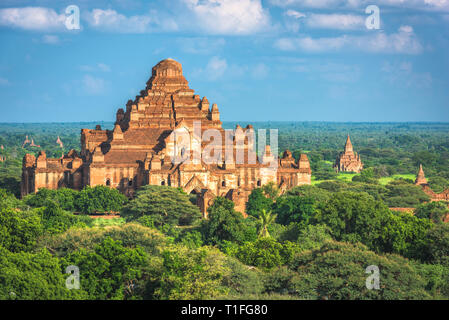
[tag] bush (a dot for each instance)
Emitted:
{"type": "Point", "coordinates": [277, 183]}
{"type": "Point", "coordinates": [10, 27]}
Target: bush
{"type": "Point", "coordinates": [266, 253]}
{"type": "Point", "coordinates": [294, 209]}
{"type": "Point", "coordinates": [110, 271]}
{"type": "Point", "coordinates": [337, 271]}
{"type": "Point", "coordinates": [130, 235]}
{"type": "Point", "coordinates": [159, 205]}
{"type": "Point", "coordinates": [33, 276]}
{"type": "Point", "coordinates": [435, 211]}
{"type": "Point", "coordinates": [191, 274]}
{"type": "Point", "coordinates": [242, 280]}
{"type": "Point", "coordinates": [435, 248]}
{"type": "Point", "coordinates": [19, 230]}
{"type": "Point", "coordinates": [354, 217]}
{"type": "Point", "coordinates": [99, 199]}
{"type": "Point", "coordinates": [226, 224]}
{"type": "Point", "coordinates": [258, 201]}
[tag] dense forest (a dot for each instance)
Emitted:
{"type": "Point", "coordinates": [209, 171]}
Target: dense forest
{"type": "Point", "coordinates": [313, 242]}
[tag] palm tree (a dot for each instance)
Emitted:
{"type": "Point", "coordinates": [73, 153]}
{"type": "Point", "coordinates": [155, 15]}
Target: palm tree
{"type": "Point", "coordinates": [265, 219]}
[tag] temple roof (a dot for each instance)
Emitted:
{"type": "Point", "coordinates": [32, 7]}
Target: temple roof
{"type": "Point", "coordinates": [167, 76]}
{"type": "Point", "coordinates": [421, 178]}
{"type": "Point", "coordinates": [348, 145]}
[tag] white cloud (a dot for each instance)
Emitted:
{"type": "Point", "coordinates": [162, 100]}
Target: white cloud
{"type": "Point", "coordinates": [93, 85]}
{"type": "Point", "coordinates": [32, 18]}
{"type": "Point", "coordinates": [336, 21]}
{"type": "Point", "coordinates": [111, 20]}
{"type": "Point", "coordinates": [404, 41]}
{"type": "Point", "coordinates": [50, 39]}
{"type": "Point", "coordinates": [228, 16]}
{"type": "Point", "coordinates": [295, 14]}
{"type": "Point", "coordinates": [433, 5]}
{"type": "Point", "coordinates": [225, 17]}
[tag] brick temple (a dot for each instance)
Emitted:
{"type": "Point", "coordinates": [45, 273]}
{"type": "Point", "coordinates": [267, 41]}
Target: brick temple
{"type": "Point", "coordinates": [422, 182]}
{"type": "Point", "coordinates": [348, 161]}
{"type": "Point", "coordinates": [141, 148]}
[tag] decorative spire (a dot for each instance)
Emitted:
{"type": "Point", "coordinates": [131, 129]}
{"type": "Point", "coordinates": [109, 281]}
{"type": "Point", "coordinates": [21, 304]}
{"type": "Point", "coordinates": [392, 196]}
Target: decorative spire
{"type": "Point", "coordinates": [60, 142]}
{"type": "Point", "coordinates": [348, 145]}
{"type": "Point", "coordinates": [421, 178]}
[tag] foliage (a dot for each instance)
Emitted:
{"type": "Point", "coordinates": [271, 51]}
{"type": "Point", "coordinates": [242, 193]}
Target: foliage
{"type": "Point", "coordinates": [435, 248]}
{"type": "Point", "coordinates": [354, 217]}
{"type": "Point", "coordinates": [338, 271]}
{"type": "Point", "coordinates": [403, 233]}
{"type": "Point", "coordinates": [130, 235]}
{"type": "Point", "coordinates": [294, 209]}
{"type": "Point", "coordinates": [435, 211]}
{"type": "Point", "coordinates": [225, 224]}
{"type": "Point", "coordinates": [313, 236]}
{"type": "Point", "coordinates": [8, 200]}
{"type": "Point", "coordinates": [312, 192]}
{"type": "Point", "coordinates": [258, 201]}
{"type": "Point", "coordinates": [366, 176]}
{"type": "Point", "coordinates": [32, 276]}
{"type": "Point", "coordinates": [110, 271]}
{"type": "Point", "coordinates": [89, 200]}
{"type": "Point", "coordinates": [266, 253]}
{"type": "Point", "coordinates": [160, 205]}
{"type": "Point", "coordinates": [404, 195]}
{"type": "Point", "coordinates": [242, 280]}
{"type": "Point", "coordinates": [264, 220]}
{"type": "Point", "coordinates": [19, 230]}
{"type": "Point", "coordinates": [191, 274]}
{"type": "Point", "coordinates": [55, 220]}
{"type": "Point", "coordinates": [99, 199]}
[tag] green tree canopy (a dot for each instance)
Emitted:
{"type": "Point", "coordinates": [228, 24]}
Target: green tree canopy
{"type": "Point", "coordinates": [435, 211]}
{"type": "Point", "coordinates": [294, 209]}
{"type": "Point", "coordinates": [99, 199]}
{"type": "Point", "coordinates": [160, 205]}
{"type": "Point", "coordinates": [354, 217]}
{"type": "Point", "coordinates": [338, 271]}
{"type": "Point", "coordinates": [258, 201]}
{"type": "Point", "coordinates": [110, 271]}
{"type": "Point", "coordinates": [225, 224]}
{"type": "Point", "coordinates": [19, 230]}
{"type": "Point", "coordinates": [33, 276]}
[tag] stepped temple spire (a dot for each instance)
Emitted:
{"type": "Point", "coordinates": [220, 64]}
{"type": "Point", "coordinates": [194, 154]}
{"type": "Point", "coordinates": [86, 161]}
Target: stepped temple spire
{"type": "Point", "coordinates": [348, 145]}
{"type": "Point", "coordinates": [421, 178]}
{"type": "Point", "coordinates": [348, 161]}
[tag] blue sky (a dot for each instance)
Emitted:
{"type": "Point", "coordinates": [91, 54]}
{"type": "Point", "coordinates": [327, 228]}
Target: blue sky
{"type": "Point", "coordinates": [293, 60]}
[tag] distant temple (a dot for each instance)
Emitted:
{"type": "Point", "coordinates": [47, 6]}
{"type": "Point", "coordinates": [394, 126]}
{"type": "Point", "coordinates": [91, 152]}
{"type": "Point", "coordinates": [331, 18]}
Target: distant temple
{"type": "Point", "coordinates": [140, 150]}
{"type": "Point", "coordinates": [348, 161]}
{"type": "Point", "coordinates": [422, 181]}
{"type": "Point", "coordinates": [32, 144]}
{"type": "Point", "coordinates": [25, 142]}
{"type": "Point", "coordinates": [58, 141]}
